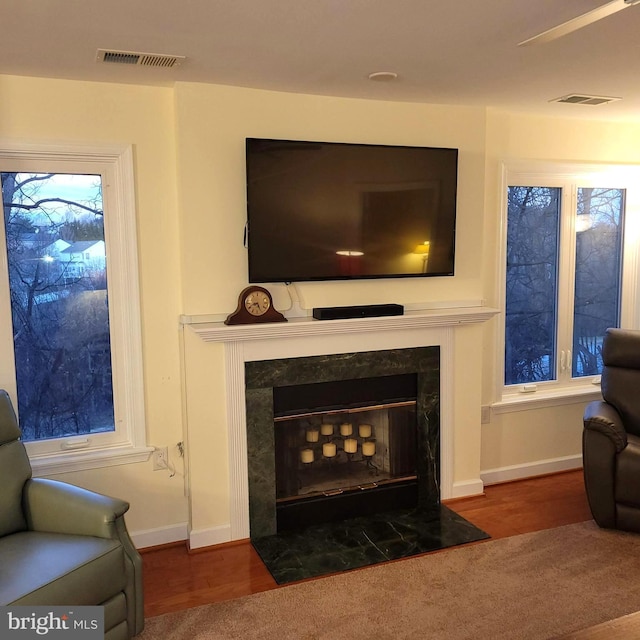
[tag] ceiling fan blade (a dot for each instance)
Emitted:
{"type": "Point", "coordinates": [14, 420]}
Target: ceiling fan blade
{"type": "Point", "coordinates": [580, 21]}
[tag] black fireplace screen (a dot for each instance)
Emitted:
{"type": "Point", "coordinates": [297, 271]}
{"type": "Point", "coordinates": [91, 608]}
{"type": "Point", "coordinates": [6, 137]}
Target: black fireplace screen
{"type": "Point", "coordinates": [333, 452]}
{"type": "Point", "coordinates": [344, 440]}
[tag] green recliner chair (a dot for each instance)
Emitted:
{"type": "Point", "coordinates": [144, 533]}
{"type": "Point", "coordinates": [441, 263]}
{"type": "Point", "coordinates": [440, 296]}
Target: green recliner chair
{"type": "Point", "coordinates": [63, 545]}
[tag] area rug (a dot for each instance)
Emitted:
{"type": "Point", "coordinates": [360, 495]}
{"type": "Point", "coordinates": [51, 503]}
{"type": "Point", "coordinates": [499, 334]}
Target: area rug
{"type": "Point", "coordinates": [529, 587]}
{"type": "Point", "coordinates": [331, 547]}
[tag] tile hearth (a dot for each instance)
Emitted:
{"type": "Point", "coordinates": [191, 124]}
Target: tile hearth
{"type": "Point", "coordinates": [359, 542]}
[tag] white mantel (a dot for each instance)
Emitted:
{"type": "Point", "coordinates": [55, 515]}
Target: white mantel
{"type": "Point", "coordinates": [308, 327]}
{"type": "Point", "coordinates": [301, 337]}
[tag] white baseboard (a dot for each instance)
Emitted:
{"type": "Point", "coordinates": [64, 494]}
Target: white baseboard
{"type": "Point", "coordinates": [219, 535]}
{"type": "Point", "coordinates": [531, 469]}
{"type": "Point", "coordinates": [180, 532]}
{"type": "Point", "coordinates": [208, 537]}
{"type": "Point", "coordinates": [161, 535]}
{"type": "Point", "coordinates": [467, 488]}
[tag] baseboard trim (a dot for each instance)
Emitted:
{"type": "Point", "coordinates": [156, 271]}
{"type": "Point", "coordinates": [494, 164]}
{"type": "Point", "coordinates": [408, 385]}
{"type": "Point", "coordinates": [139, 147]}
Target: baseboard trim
{"type": "Point", "coordinates": [159, 536]}
{"type": "Point", "coordinates": [209, 537]}
{"type": "Point", "coordinates": [531, 469]}
{"type": "Point", "coordinates": [218, 535]}
{"type": "Point", "coordinates": [466, 489]}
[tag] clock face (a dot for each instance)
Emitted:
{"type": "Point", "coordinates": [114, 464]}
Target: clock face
{"type": "Point", "coordinates": [257, 303]}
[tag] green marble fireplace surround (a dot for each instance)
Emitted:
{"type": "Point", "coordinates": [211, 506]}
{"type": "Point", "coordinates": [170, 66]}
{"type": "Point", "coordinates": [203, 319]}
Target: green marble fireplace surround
{"type": "Point", "coordinates": [261, 377]}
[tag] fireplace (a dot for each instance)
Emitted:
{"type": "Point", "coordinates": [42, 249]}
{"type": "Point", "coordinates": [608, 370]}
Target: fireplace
{"type": "Point", "coordinates": [217, 415]}
{"type": "Point", "coordinates": [342, 435]}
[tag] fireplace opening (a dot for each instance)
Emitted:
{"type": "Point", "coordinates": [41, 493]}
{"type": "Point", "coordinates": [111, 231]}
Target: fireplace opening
{"type": "Point", "coordinates": [344, 449]}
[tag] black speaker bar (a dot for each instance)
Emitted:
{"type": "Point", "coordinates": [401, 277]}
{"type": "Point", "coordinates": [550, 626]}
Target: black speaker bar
{"type": "Point", "coordinates": [358, 311]}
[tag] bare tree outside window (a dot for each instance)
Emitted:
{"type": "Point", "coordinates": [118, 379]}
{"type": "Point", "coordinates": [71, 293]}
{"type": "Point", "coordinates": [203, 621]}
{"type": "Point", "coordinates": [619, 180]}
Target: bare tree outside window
{"type": "Point", "coordinates": [58, 282]}
{"type": "Point", "coordinates": [533, 328]}
{"type": "Point", "coordinates": [598, 275]}
{"type": "Point", "coordinates": [532, 288]}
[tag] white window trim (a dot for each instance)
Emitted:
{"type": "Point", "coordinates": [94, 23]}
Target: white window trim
{"type": "Point", "coordinates": [124, 312]}
{"type": "Point", "coordinates": [553, 393]}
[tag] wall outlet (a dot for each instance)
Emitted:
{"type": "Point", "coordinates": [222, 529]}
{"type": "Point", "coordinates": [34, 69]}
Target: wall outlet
{"type": "Point", "coordinates": [485, 414]}
{"type": "Point", "coordinates": [160, 458]}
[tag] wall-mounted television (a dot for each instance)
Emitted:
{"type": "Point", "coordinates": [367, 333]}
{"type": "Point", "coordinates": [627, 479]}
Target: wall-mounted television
{"type": "Point", "coordinates": [339, 211]}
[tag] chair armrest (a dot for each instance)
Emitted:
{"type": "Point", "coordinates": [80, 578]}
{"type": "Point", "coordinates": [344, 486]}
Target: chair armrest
{"type": "Point", "coordinates": [602, 417]}
{"type": "Point", "coordinates": [58, 507]}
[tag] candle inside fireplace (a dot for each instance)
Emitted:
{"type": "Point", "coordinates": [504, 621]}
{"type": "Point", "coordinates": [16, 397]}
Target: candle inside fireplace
{"type": "Point", "coordinates": [306, 456]}
{"type": "Point", "coordinates": [350, 445]}
{"type": "Point", "coordinates": [368, 448]}
{"type": "Point", "coordinates": [364, 430]}
{"type": "Point", "coordinates": [329, 449]}
{"type": "Point", "coordinates": [346, 429]}
{"type": "Point", "coordinates": [326, 429]}
{"type": "Point", "coordinates": [313, 435]}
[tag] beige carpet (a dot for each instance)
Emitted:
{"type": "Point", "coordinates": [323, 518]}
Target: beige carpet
{"type": "Point", "coordinates": [529, 587]}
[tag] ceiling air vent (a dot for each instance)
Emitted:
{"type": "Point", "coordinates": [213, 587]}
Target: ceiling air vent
{"type": "Point", "coordinates": [140, 59]}
{"type": "Point", "coordinates": [578, 98]}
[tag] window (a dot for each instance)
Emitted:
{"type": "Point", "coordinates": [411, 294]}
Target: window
{"type": "Point", "coordinates": [567, 274]}
{"type": "Point", "coordinates": [69, 309]}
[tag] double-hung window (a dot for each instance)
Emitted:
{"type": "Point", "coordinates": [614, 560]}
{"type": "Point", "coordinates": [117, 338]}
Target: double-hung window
{"type": "Point", "coordinates": [568, 274]}
{"type": "Point", "coordinates": [69, 306]}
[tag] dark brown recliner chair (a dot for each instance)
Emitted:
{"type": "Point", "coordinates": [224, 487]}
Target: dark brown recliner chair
{"type": "Point", "coordinates": [611, 436]}
{"type": "Point", "coordinates": [63, 545]}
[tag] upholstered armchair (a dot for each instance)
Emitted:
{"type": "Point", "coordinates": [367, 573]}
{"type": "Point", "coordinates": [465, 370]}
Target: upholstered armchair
{"type": "Point", "coordinates": [611, 436]}
{"type": "Point", "coordinates": [63, 545]}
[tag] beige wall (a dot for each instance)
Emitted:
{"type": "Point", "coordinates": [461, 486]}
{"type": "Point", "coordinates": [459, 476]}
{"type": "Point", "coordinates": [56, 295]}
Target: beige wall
{"type": "Point", "coordinates": [189, 161]}
{"type": "Point", "coordinates": [524, 439]}
{"type": "Point", "coordinates": [36, 110]}
{"type": "Point", "coordinates": [212, 124]}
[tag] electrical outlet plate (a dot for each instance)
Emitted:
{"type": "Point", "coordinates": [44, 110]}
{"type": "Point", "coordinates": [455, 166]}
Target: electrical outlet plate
{"type": "Point", "coordinates": [160, 458]}
{"type": "Point", "coordinates": [485, 415]}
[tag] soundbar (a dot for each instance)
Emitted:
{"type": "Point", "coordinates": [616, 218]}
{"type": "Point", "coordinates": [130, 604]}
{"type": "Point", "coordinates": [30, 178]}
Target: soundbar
{"type": "Point", "coordinates": [358, 311]}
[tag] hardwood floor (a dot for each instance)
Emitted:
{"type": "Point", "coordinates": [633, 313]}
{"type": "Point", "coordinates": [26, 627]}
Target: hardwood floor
{"type": "Point", "coordinates": [625, 628]}
{"type": "Point", "coordinates": [175, 579]}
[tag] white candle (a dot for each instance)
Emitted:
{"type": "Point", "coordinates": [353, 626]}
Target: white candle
{"type": "Point", "coordinates": [350, 445]}
{"type": "Point", "coordinates": [329, 449]}
{"type": "Point", "coordinates": [368, 448]}
{"type": "Point", "coordinates": [306, 456]}
{"type": "Point", "coordinates": [313, 435]}
{"type": "Point", "coordinates": [364, 430]}
{"type": "Point", "coordinates": [346, 429]}
{"type": "Point", "coordinates": [326, 429]}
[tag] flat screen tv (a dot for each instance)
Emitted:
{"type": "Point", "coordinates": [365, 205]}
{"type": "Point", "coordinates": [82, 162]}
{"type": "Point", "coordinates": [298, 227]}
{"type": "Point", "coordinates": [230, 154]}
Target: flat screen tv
{"type": "Point", "coordinates": [338, 211]}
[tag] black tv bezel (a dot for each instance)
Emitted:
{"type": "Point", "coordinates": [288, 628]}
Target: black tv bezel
{"type": "Point", "coordinates": [339, 278]}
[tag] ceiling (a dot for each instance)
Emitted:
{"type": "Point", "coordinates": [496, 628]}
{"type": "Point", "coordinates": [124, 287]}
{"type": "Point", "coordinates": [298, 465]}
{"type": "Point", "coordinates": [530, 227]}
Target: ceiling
{"type": "Point", "coordinates": [444, 52]}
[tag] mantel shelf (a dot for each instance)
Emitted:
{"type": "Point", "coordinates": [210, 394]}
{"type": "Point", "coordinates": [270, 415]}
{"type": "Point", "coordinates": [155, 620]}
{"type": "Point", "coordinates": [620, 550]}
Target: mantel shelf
{"type": "Point", "coordinates": [308, 327]}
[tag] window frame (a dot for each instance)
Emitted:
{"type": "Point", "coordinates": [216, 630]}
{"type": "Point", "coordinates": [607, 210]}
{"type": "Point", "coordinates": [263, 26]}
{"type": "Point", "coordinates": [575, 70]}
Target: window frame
{"type": "Point", "coordinates": [568, 176]}
{"type": "Point", "coordinates": [127, 443]}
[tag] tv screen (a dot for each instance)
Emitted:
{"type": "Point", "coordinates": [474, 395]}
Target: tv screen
{"type": "Point", "coordinates": [337, 211]}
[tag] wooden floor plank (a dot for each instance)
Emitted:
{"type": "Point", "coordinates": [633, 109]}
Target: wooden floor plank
{"type": "Point", "coordinates": [624, 628]}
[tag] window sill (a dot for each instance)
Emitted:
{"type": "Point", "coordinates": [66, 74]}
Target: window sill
{"type": "Point", "coordinates": [52, 464]}
{"type": "Point", "coordinates": [544, 398]}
